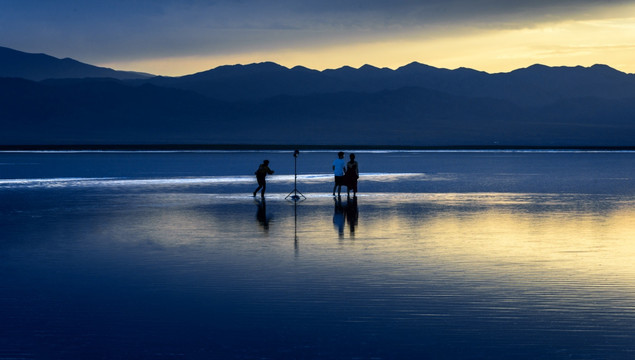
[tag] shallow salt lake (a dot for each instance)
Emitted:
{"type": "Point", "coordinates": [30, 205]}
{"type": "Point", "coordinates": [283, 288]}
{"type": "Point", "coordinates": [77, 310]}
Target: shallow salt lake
{"type": "Point", "coordinates": [443, 255]}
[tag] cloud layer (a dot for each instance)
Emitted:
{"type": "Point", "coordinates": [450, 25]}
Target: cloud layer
{"type": "Point", "coordinates": [123, 28]}
{"type": "Point", "coordinates": [134, 30]}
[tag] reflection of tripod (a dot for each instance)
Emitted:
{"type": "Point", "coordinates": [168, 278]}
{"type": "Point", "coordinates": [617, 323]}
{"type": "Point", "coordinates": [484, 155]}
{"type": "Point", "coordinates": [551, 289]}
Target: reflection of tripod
{"type": "Point", "coordinates": [295, 191]}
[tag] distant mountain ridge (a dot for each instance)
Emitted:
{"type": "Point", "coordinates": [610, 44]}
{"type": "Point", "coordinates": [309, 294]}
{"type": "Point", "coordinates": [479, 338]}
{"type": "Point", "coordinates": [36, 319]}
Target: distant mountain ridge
{"type": "Point", "coordinates": [265, 103]}
{"type": "Point", "coordinates": [37, 67]}
{"type": "Point", "coordinates": [535, 85]}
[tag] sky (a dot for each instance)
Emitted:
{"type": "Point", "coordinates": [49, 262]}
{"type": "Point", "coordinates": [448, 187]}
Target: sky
{"type": "Point", "coordinates": [179, 37]}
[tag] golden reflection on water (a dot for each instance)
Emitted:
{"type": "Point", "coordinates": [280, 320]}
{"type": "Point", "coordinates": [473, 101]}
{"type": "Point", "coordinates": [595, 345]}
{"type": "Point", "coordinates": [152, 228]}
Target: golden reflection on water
{"type": "Point", "coordinates": [524, 236]}
{"type": "Point", "coordinates": [521, 237]}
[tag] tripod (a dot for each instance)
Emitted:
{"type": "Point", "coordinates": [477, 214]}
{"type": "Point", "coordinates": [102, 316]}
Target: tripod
{"type": "Point", "coordinates": [297, 195]}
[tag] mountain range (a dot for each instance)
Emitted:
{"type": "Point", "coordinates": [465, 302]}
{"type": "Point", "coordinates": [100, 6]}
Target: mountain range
{"type": "Point", "coordinates": [50, 101]}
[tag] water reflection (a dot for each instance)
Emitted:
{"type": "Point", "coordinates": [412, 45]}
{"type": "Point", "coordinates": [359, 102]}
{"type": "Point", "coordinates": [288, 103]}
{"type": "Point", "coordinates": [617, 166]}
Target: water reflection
{"type": "Point", "coordinates": [352, 214]}
{"type": "Point", "coordinates": [345, 212]}
{"type": "Point", "coordinates": [339, 219]}
{"type": "Point", "coordinates": [261, 214]}
{"type": "Point", "coordinates": [437, 275]}
{"type": "Point", "coordinates": [295, 227]}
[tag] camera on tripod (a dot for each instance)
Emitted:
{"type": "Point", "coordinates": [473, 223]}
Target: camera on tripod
{"type": "Point", "coordinates": [297, 195]}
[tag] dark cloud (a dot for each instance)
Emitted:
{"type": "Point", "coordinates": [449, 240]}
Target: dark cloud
{"type": "Point", "coordinates": [125, 29]}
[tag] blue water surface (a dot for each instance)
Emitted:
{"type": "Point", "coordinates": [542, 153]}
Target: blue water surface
{"type": "Point", "coordinates": [442, 255]}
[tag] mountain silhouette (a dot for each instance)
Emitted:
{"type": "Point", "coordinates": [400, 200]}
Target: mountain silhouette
{"type": "Point", "coordinates": [19, 64]}
{"type": "Point", "coordinates": [532, 86]}
{"type": "Point", "coordinates": [269, 104]}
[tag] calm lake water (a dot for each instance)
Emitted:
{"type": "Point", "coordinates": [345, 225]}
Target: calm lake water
{"type": "Point", "coordinates": [443, 255]}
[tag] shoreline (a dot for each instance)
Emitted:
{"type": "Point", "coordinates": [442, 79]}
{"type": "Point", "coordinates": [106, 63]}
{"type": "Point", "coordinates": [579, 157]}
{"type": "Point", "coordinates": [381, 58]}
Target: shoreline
{"type": "Point", "coordinates": [290, 147]}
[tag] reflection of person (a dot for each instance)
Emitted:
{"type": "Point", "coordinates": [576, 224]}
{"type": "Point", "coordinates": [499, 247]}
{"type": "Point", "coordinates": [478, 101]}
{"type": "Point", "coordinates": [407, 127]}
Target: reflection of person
{"type": "Point", "coordinates": [352, 214]}
{"type": "Point", "coordinates": [339, 217]}
{"type": "Point", "coordinates": [261, 215]}
{"type": "Point", "coordinates": [351, 176]}
{"type": "Point", "coordinates": [261, 174]}
{"type": "Point", "coordinates": [339, 168]}
{"type": "Point", "coordinates": [345, 213]}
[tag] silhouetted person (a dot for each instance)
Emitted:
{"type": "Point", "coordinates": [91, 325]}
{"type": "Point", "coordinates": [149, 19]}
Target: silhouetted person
{"type": "Point", "coordinates": [261, 174]}
{"type": "Point", "coordinates": [351, 176]}
{"type": "Point", "coordinates": [339, 168]}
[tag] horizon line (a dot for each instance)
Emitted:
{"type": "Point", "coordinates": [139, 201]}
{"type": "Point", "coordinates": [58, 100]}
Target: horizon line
{"type": "Point", "coordinates": [344, 67]}
{"type": "Point", "coordinates": [288, 67]}
{"type": "Point", "coordinates": [291, 147]}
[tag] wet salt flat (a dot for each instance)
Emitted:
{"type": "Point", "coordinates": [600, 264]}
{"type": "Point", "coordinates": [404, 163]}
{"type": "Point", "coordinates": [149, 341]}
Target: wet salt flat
{"type": "Point", "coordinates": [443, 255]}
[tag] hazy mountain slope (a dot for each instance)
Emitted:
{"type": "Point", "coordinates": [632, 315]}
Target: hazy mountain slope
{"type": "Point", "coordinates": [102, 111]}
{"type": "Point", "coordinates": [19, 64]}
{"type": "Point", "coordinates": [112, 112]}
{"type": "Point", "coordinates": [270, 104]}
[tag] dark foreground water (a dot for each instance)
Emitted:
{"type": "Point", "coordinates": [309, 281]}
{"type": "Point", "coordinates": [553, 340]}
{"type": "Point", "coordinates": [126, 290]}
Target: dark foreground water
{"type": "Point", "coordinates": [443, 255]}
